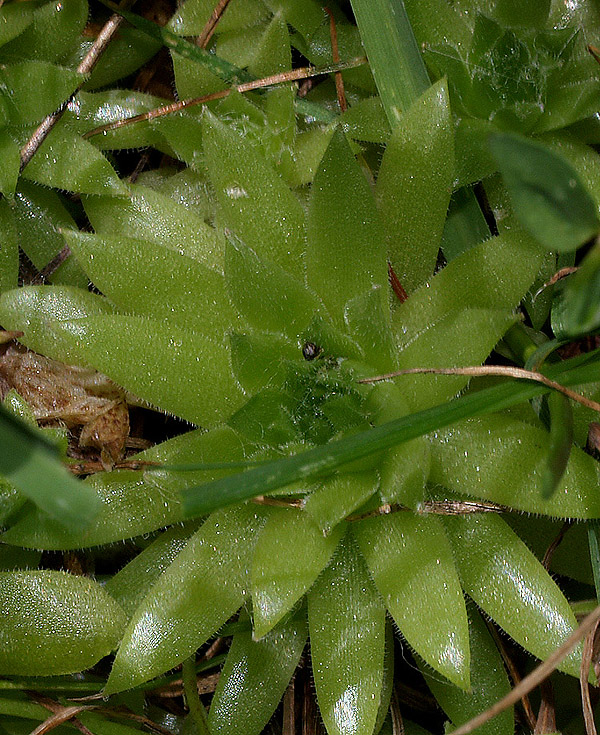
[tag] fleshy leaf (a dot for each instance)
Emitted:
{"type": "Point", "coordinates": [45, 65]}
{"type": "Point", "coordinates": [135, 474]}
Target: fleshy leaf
{"type": "Point", "coordinates": [290, 554]}
{"type": "Point", "coordinates": [53, 85]}
{"type": "Point", "coordinates": [55, 623]}
{"type": "Point", "coordinates": [368, 318]}
{"type": "Point", "coordinates": [11, 161]}
{"type": "Point", "coordinates": [344, 606]}
{"type": "Point", "coordinates": [254, 201]}
{"type": "Point", "coordinates": [132, 583]}
{"type": "Point", "coordinates": [415, 183]}
{"type": "Point", "coordinates": [183, 372]}
{"type": "Point", "coordinates": [30, 309]}
{"type": "Point", "coordinates": [135, 502]}
{"type": "Point", "coordinates": [255, 676]}
{"type": "Point", "coordinates": [265, 294]}
{"type": "Point", "coordinates": [546, 192]}
{"type": "Point", "coordinates": [150, 215]}
{"type": "Point", "coordinates": [489, 684]}
{"type": "Point", "coordinates": [66, 161]}
{"type": "Point", "coordinates": [505, 579]}
{"type": "Point", "coordinates": [502, 459]}
{"type": "Point", "coordinates": [9, 248]}
{"type": "Point", "coordinates": [412, 566]}
{"type": "Point", "coordinates": [338, 497]}
{"type": "Point", "coordinates": [150, 279]}
{"type": "Point", "coordinates": [345, 253]}
{"type": "Point", "coordinates": [199, 591]}
{"type": "Point", "coordinates": [258, 360]}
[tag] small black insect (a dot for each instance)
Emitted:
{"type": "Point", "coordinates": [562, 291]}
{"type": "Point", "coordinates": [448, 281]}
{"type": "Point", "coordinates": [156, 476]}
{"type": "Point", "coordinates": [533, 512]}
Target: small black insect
{"type": "Point", "coordinates": [310, 351]}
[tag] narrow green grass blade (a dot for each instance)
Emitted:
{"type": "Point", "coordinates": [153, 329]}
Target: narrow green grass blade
{"type": "Point", "coordinates": [31, 465]}
{"type": "Point", "coordinates": [594, 544]}
{"type": "Point", "coordinates": [393, 53]}
{"type": "Point", "coordinates": [325, 459]}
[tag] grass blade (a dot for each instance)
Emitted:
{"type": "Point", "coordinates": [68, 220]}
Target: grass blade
{"type": "Point", "coordinates": [31, 464]}
{"type": "Point", "coordinates": [325, 459]}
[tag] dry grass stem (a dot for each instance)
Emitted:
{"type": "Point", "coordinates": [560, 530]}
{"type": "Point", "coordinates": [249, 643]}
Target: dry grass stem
{"type": "Point", "coordinates": [536, 677]}
{"type": "Point", "coordinates": [503, 371]}
{"type": "Point", "coordinates": [586, 702]}
{"type": "Point", "coordinates": [211, 24]}
{"type": "Point", "coordinates": [335, 52]}
{"type": "Point", "coordinates": [282, 78]}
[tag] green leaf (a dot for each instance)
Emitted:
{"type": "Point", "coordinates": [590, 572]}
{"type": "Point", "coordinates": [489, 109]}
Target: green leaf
{"type": "Point", "coordinates": [55, 29]}
{"type": "Point", "coordinates": [66, 161]}
{"type": "Point", "coordinates": [14, 19]}
{"type": "Point", "coordinates": [489, 684]}
{"type": "Point", "coordinates": [265, 294]}
{"type": "Point", "coordinates": [255, 676]}
{"type": "Point", "coordinates": [506, 580]}
{"type": "Point", "coordinates": [9, 248]}
{"type": "Point", "coordinates": [415, 183]}
{"type": "Point", "coordinates": [69, 621]}
{"type": "Point", "coordinates": [546, 192]}
{"type": "Point", "coordinates": [150, 215]}
{"type": "Point", "coordinates": [11, 162]}
{"type": "Point", "coordinates": [39, 215]}
{"type": "Point", "coordinates": [530, 15]}
{"type": "Point", "coordinates": [338, 497]}
{"type": "Point", "coordinates": [254, 201]}
{"type": "Point", "coordinates": [193, 16]}
{"type": "Point", "coordinates": [185, 372]}
{"type": "Point", "coordinates": [323, 460]}
{"type": "Point", "coordinates": [577, 310]}
{"type": "Point", "coordinates": [369, 321]}
{"type": "Point", "coordinates": [154, 280]}
{"type": "Point", "coordinates": [32, 466]}
{"type": "Point", "coordinates": [259, 360]}
{"type": "Point", "coordinates": [393, 53]}
{"type": "Point", "coordinates": [560, 442]}
{"type": "Point", "coordinates": [134, 502]}
{"type": "Point", "coordinates": [411, 562]}
{"type": "Point", "coordinates": [132, 583]}
{"type": "Point", "coordinates": [202, 588]}
{"type": "Point", "coordinates": [15, 558]}
{"type": "Point", "coordinates": [290, 554]}
{"type": "Point", "coordinates": [52, 84]}
{"type": "Point", "coordinates": [344, 606]}
{"type": "Point", "coordinates": [505, 462]}
{"type": "Point", "coordinates": [345, 253]}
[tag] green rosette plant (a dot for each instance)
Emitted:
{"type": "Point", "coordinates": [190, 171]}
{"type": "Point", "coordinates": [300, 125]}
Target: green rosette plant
{"type": "Point", "coordinates": [248, 293]}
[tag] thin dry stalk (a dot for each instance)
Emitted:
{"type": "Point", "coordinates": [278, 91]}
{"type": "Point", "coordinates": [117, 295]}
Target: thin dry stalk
{"type": "Point", "coordinates": [211, 24]}
{"type": "Point", "coordinates": [535, 678]}
{"type": "Point", "coordinates": [288, 725]}
{"type": "Point", "coordinates": [85, 67]}
{"type": "Point", "coordinates": [503, 371]}
{"type": "Point", "coordinates": [586, 702]}
{"type": "Point", "coordinates": [546, 561]}
{"type": "Point", "coordinates": [281, 78]}
{"type": "Point", "coordinates": [546, 719]}
{"type": "Point", "coordinates": [60, 716]}
{"type": "Point", "coordinates": [335, 52]}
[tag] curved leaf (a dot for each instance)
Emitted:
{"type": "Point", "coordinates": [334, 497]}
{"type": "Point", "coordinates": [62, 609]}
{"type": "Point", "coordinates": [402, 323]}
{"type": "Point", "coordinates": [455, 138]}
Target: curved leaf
{"type": "Point", "coordinates": [149, 215]}
{"type": "Point", "coordinates": [135, 502]}
{"type": "Point", "coordinates": [415, 183]}
{"type": "Point", "coordinates": [202, 588]}
{"type": "Point", "coordinates": [66, 161]}
{"type": "Point", "coordinates": [30, 309]}
{"type": "Point", "coordinates": [411, 562]}
{"type": "Point", "coordinates": [506, 580]}
{"type": "Point", "coordinates": [253, 199]}
{"type": "Point", "coordinates": [290, 554]}
{"type": "Point", "coordinates": [255, 676]}
{"type": "Point", "coordinates": [152, 280]}
{"type": "Point", "coordinates": [178, 370]}
{"type": "Point", "coordinates": [345, 253]}
{"type": "Point", "coordinates": [344, 607]}
{"type": "Point", "coordinates": [489, 684]}
{"type": "Point", "coordinates": [502, 459]}
{"type": "Point", "coordinates": [55, 623]}
{"type": "Point", "coordinates": [338, 496]}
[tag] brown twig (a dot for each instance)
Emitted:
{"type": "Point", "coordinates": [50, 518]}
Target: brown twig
{"type": "Point", "coordinates": [335, 52]}
{"type": "Point", "coordinates": [87, 64]}
{"type": "Point", "coordinates": [288, 725]}
{"type": "Point", "coordinates": [60, 715]}
{"type": "Point", "coordinates": [281, 78]}
{"type": "Point", "coordinates": [586, 660]}
{"type": "Point", "coordinates": [504, 371]}
{"type": "Point", "coordinates": [559, 275]}
{"type": "Point", "coordinates": [397, 287]}
{"type": "Point", "coordinates": [535, 678]}
{"type": "Point", "coordinates": [555, 544]}
{"type": "Point", "coordinates": [211, 24]}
